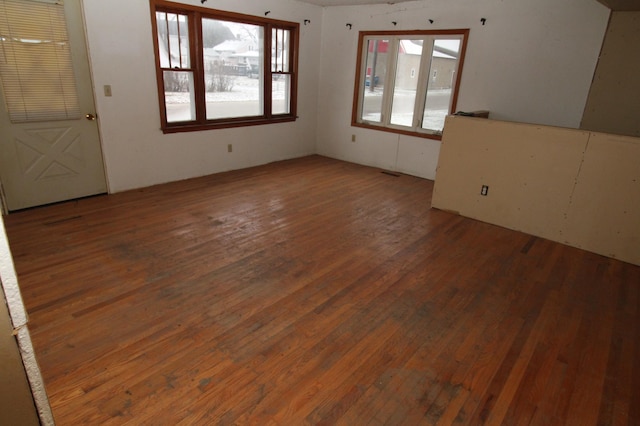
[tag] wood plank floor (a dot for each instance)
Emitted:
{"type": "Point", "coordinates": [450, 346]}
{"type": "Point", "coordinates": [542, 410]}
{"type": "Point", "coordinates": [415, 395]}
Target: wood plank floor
{"type": "Point", "coordinates": [315, 291]}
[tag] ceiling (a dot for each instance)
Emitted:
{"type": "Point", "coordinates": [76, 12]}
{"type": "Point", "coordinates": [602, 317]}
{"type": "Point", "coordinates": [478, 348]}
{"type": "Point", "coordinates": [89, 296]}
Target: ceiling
{"type": "Point", "coordinates": [350, 2]}
{"type": "Point", "coordinates": [616, 5]}
{"type": "Point", "coordinates": [622, 5]}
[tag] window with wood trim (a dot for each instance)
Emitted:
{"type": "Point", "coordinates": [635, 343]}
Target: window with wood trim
{"type": "Point", "coordinates": [218, 69]}
{"type": "Point", "coordinates": [387, 94]}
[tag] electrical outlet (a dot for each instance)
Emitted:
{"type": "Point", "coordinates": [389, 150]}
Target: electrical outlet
{"type": "Point", "coordinates": [229, 148]}
{"type": "Point", "coordinates": [353, 138]}
{"type": "Point", "coordinates": [485, 190]}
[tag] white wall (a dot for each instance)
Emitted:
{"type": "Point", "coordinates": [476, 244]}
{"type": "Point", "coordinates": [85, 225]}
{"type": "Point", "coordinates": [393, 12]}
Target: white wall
{"type": "Point", "coordinates": [533, 62]}
{"type": "Point", "coordinates": [137, 153]}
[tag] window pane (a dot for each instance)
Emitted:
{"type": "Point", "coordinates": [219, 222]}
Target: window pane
{"type": "Point", "coordinates": [280, 50]}
{"type": "Point", "coordinates": [406, 82]}
{"type": "Point", "coordinates": [233, 68]}
{"type": "Point", "coordinates": [35, 63]}
{"type": "Point", "coordinates": [173, 40]}
{"type": "Point", "coordinates": [376, 65]}
{"type": "Point", "coordinates": [444, 61]}
{"type": "Point", "coordinates": [281, 94]}
{"type": "Point", "coordinates": [179, 96]}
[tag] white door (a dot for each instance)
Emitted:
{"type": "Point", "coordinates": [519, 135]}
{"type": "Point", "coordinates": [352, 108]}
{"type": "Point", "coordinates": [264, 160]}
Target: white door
{"type": "Point", "coordinates": [47, 153]}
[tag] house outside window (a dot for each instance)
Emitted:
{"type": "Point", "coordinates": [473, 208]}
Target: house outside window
{"type": "Point", "coordinates": [219, 69]}
{"type": "Point", "coordinates": [387, 95]}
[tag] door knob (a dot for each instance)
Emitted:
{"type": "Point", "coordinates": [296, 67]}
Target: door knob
{"type": "Point", "coordinates": [90, 117]}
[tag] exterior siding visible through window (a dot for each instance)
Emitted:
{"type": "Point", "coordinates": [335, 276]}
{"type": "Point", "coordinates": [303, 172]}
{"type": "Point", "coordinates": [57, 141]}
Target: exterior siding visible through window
{"type": "Point", "coordinates": [218, 69]}
{"type": "Point", "coordinates": [387, 94]}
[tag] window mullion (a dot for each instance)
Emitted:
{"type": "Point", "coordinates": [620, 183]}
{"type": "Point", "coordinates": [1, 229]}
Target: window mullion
{"type": "Point", "coordinates": [166, 16]}
{"type": "Point", "coordinates": [455, 76]}
{"type": "Point", "coordinates": [292, 72]}
{"type": "Point", "coordinates": [197, 66]}
{"type": "Point", "coordinates": [389, 81]}
{"type": "Point", "coordinates": [268, 76]}
{"type": "Point", "coordinates": [423, 82]}
{"type": "Point", "coordinates": [360, 80]}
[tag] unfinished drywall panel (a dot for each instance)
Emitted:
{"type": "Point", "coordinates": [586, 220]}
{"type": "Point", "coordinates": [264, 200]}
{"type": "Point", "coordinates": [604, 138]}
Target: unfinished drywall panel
{"type": "Point", "coordinates": [11, 297]}
{"type": "Point", "coordinates": [613, 104]}
{"type": "Point", "coordinates": [575, 187]}
{"type": "Point", "coordinates": [529, 172]}
{"type": "Point", "coordinates": [16, 402]}
{"type": "Point", "coordinates": [604, 214]}
{"type": "Point", "coordinates": [10, 282]}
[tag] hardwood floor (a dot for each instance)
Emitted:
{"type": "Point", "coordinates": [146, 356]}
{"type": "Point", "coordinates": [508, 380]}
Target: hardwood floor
{"type": "Point", "coordinates": [314, 291]}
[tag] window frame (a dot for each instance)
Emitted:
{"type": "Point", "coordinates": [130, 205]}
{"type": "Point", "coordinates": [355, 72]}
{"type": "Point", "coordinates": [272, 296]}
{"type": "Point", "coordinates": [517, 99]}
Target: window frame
{"type": "Point", "coordinates": [423, 73]}
{"type": "Point", "coordinates": [195, 16]}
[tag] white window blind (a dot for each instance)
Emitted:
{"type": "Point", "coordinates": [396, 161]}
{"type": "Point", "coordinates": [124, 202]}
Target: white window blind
{"type": "Point", "coordinates": [35, 62]}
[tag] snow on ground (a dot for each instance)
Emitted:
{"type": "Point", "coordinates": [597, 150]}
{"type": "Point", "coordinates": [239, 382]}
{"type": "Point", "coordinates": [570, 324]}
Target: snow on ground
{"type": "Point", "coordinates": [402, 113]}
{"type": "Point", "coordinates": [248, 89]}
{"type": "Point", "coordinates": [243, 89]}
